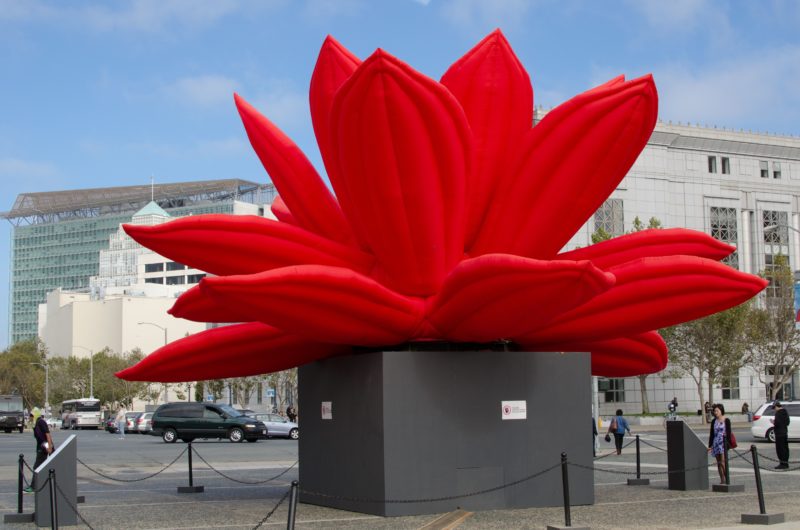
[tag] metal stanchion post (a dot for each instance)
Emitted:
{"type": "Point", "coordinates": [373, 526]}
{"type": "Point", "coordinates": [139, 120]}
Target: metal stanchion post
{"type": "Point", "coordinates": [292, 506]}
{"type": "Point", "coordinates": [762, 517]}
{"type": "Point", "coordinates": [53, 503]}
{"type": "Point", "coordinates": [191, 488]}
{"type": "Point", "coordinates": [638, 481]}
{"type": "Point", "coordinates": [19, 517]}
{"type": "Point", "coordinates": [565, 483]}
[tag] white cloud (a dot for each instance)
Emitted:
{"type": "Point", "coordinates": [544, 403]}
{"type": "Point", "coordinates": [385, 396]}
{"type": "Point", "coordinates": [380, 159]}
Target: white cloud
{"type": "Point", "coordinates": [283, 105]}
{"type": "Point", "coordinates": [753, 89]}
{"type": "Point", "coordinates": [203, 90]}
{"type": "Point", "coordinates": [15, 168]}
{"type": "Point", "coordinates": [505, 13]}
{"type": "Point", "coordinates": [675, 14]}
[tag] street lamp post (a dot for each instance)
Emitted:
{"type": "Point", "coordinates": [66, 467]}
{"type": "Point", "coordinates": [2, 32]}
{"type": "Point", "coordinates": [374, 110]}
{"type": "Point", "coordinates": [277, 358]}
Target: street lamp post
{"type": "Point", "coordinates": [91, 368]}
{"type": "Point", "coordinates": [46, 367]}
{"type": "Point", "coordinates": [166, 390]}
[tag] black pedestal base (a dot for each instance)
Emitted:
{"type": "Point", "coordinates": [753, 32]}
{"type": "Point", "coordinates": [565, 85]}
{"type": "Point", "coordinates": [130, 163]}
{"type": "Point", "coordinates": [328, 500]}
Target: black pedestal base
{"type": "Point", "coordinates": [191, 489]}
{"type": "Point", "coordinates": [430, 427]}
{"type": "Point", "coordinates": [763, 518]}
{"type": "Point", "coordinates": [18, 518]}
{"type": "Point", "coordinates": [558, 527]}
{"type": "Point", "coordinates": [728, 488]}
{"type": "Point", "coordinates": [638, 482]}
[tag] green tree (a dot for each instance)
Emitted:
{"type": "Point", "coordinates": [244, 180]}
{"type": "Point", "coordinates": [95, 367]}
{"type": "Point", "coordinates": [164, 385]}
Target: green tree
{"type": "Point", "coordinates": [775, 353]}
{"type": "Point", "coordinates": [19, 374]}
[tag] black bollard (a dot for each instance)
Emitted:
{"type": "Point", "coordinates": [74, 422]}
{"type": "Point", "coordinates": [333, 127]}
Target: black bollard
{"type": "Point", "coordinates": [565, 483]}
{"type": "Point", "coordinates": [762, 517]}
{"type": "Point", "coordinates": [191, 488]}
{"type": "Point", "coordinates": [725, 459]}
{"type": "Point", "coordinates": [20, 480]}
{"type": "Point", "coordinates": [53, 503]}
{"type": "Point", "coordinates": [292, 506]}
{"type": "Point", "coordinates": [638, 481]}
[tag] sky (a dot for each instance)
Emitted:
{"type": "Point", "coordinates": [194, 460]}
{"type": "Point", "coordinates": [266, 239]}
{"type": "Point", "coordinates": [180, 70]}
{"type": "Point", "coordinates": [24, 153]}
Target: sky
{"type": "Point", "coordinates": [97, 94]}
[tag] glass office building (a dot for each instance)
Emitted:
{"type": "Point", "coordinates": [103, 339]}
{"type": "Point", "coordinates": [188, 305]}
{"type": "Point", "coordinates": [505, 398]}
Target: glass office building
{"type": "Point", "coordinates": [57, 236]}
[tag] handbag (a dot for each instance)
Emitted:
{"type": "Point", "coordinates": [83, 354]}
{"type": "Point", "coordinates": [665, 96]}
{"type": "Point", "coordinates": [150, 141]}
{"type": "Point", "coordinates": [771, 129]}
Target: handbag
{"type": "Point", "coordinates": [733, 445]}
{"type": "Point", "coordinates": [608, 437]}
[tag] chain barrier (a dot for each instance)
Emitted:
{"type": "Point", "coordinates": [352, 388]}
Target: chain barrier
{"type": "Point", "coordinates": [220, 473]}
{"type": "Point", "coordinates": [46, 482]}
{"type": "Point", "coordinates": [72, 506]}
{"type": "Point", "coordinates": [760, 456]}
{"type": "Point", "coordinates": [436, 499]}
{"type": "Point", "coordinates": [645, 442]}
{"type": "Point", "coordinates": [132, 479]}
{"type": "Point", "coordinates": [617, 472]}
{"type": "Point", "coordinates": [613, 452]}
{"type": "Point", "coordinates": [273, 510]}
{"type": "Point", "coordinates": [765, 457]}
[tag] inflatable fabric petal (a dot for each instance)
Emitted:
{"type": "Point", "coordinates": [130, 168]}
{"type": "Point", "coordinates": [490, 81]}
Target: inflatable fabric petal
{"type": "Point", "coordinates": [571, 162]}
{"type": "Point", "coordinates": [243, 244]}
{"type": "Point", "coordinates": [651, 293]}
{"type": "Point", "coordinates": [651, 243]}
{"type": "Point", "coordinates": [313, 301]}
{"type": "Point", "coordinates": [622, 357]}
{"type": "Point", "coordinates": [403, 146]}
{"type": "Point", "coordinates": [495, 91]}
{"type": "Point", "coordinates": [228, 351]}
{"type": "Point", "coordinates": [309, 200]}
{"type": "Point", "coordinates": [335, 64]}
{"type": "Point", "coordinates": [281, 211]}
{"type": "Point", "coordinates": [202, 306]}
{"type": "Point", "coordinates": [498, 295]}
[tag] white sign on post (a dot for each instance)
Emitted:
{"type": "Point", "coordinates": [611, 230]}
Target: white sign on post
{"type": "Point", "coordinates": [514, 410]}
{"type": "Point", "coordinates": [327, 410]}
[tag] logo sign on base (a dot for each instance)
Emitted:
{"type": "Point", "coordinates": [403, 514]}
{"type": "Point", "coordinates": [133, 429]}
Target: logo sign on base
{"type": "Point", "coordinates": [514, 410]}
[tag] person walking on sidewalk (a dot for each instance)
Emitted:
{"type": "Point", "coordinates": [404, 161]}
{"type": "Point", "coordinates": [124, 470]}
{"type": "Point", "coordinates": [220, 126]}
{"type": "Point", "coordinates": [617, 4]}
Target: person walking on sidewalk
{"type": "Point", "coordinates": [618, 427]}
{"type": "Point", "coordinates": [719, 434]}
{"type": "Point", "coordinates": [121, 422]}
{"type": "Point", "coordinates": [781, 429]}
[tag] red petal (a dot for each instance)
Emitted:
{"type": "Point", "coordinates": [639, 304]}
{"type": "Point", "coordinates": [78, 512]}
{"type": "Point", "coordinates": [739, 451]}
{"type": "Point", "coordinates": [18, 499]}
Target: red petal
{"type": "Point", "coordinates": [243, 244]}
{"type": "Point", "coordinates": [652, 293]}
{"type": "Point", "coordinates": [282, 212]}
{"type": "Point", "coordinates": [498, 296]}
{"type": "Point", "coordinates": [651, 243]}
{"type": "Point", "coordinates": [403, 148]}
{"type": "Point", "coordinates": [622, 357]}
{"type": "Point", "coordinates": [201, 306]}
{"type": "Point", "coordinates": [495, 91]}
{"type": "Point", "coordinates": [336, 304]}
{"type": "Point", "coordinates": [572, 160]}
{"type": "Point", "coordinates": [293, 175]}
{"type": "Point", "coordinates": [335, 65]}
{"type": "Point", "coordinates": [228, 351]}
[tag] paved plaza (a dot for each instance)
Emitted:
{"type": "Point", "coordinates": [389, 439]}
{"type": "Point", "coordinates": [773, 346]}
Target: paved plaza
{"type": "Point", "coordinates": [239, 493]}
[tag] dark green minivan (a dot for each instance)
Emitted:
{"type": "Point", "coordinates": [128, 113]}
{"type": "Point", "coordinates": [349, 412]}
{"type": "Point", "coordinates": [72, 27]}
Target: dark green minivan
{"type": "Point", "coordinates": [187, 421]}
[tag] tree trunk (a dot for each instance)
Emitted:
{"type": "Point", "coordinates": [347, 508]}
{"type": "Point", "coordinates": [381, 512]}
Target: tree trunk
{"type": "Point", "coordinates": [699, 383]}
{"type": "Point", "coordinates": [710, 391]}
{"type": "Point", "coordinates": [643, 390]}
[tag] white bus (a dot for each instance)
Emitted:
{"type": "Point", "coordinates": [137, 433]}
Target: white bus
{"type": "Point", "coordinates": [81, 413]}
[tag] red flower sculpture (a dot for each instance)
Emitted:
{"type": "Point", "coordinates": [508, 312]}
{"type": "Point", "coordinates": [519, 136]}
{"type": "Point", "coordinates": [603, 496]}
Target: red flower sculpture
{"type": "Point", "coordinates": [449, 214]}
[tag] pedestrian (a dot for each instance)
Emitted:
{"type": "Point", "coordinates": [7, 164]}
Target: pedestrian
{"type": "Point", "coordinates": [673, 405]}
{"type": "Point", "coordinates": [707, 409]}
{"type": "Point", "coordinates": [594, 437]}
{"type": "Point", "coordinates": [121, 421]}
{"type": "Point", "coordinates": [719, 438]}
{"type": "Point", "coordinates": [746, 410]}
{"type": "Point", "coordinates": [44, 445]}
{"type": "Point", "coordinates": [618, 427]}
{"type": "Point", "coordinates": [781, 430]}
{"type": "Point", "coordinates": [291, 413]}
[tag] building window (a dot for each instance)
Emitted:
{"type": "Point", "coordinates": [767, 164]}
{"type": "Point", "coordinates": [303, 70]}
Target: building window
{"type": "Point", "coordinates": [613, 390]}
{"type": "Point", "coordinates": [609, 217]}
{"type": "Point", "coordinates": [176, 280]}
{"type": "Point", "coordinates": [771, 263]}
{"type": "Point", "coordinates": [730, 387]}
{"type": "Point", "coordinates": [195, 278]}
{"type": "Point", "coordinates": [153, 267]}
{"type": "Point", "coordinates": [726, 165]}
{"type": "Point", "coordinates": [159, 281]}
{"type": "Point", "coordinates": [776, 170]}
{"type": "Point", "coordinates": [712, 164]}
{"type": "Point", "coordinates": [764, 169]}
{"type": "Point", "coordinates": [776, 231]}
{"type": "Point", "coordinates": [174, 266]}
{"type": "Point", "coordinates": [724, 227]}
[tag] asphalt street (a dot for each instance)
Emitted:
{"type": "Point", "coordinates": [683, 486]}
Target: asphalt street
{"type": "Point", "coordinates": [247, 481]}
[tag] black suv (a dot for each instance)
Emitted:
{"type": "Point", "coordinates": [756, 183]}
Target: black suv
{"type": "Point", "coordinates": [187, 421]}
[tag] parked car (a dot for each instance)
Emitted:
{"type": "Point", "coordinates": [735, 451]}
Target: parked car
{"type": "Point", "coordinates": [247, 412]}
{"type": "Point", "coordinates": [144, 422]}
{"type": "Point", "coordinates": [187, 421]}
{"type": "Point", "coordinates": [110, 424]}
{"type": "Point", "coordinates": [278, 426]}
{"type": "Point", "coordinates": [130, 421]}
{"type": "Point", "coordinates": [53, 423]}
{"type": "Point", "coordinates": [762, 427]}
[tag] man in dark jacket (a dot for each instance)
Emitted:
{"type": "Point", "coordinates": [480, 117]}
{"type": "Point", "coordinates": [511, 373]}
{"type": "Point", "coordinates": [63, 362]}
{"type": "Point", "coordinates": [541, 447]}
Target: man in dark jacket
{"type": "Point", "coordinates": [781, 423]}
{"type": "Point", "coordinates": [44, 445]}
